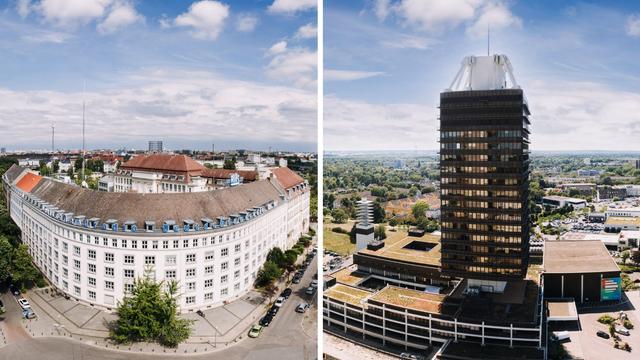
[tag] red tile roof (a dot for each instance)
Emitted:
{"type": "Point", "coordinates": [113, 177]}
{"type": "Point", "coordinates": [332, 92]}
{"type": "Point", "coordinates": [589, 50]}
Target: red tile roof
{"type": "Point", "coordinates": [287, 177]}
{"type": "Point", "coordinates": [164, 162]}
{"type": "Point", "coordinates": [247, 175]}
{"type": "Point", "coordinates": [28, 182]}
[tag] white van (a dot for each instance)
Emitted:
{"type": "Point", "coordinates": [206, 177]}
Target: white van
{"type": "Point", "coordinates": [560, 335]}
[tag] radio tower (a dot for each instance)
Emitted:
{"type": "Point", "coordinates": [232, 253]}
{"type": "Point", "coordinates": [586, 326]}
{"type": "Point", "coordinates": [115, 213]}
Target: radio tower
{"type": "Point", "coordinates": [53, 135]}
{"type": "Point", "coordinates": [83, 144]}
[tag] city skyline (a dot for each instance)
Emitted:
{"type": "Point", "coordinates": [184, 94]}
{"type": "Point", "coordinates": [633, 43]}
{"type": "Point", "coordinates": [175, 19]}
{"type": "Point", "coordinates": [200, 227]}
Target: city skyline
{"type": "Point", "coordinates": [386, 66]}
{"type": "Point", "coordinates": [238, 74]}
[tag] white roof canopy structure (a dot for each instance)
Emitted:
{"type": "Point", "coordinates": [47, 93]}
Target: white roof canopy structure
{"type": "Point", "coordinates": [484, 73]}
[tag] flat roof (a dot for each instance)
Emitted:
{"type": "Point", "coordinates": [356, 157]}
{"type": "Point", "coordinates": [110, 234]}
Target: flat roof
{"type": "Point", "coordinates": [394, 249]}
{"type": "Point", "coordinates": [349, 276]}
{"type": "Point", "coordinates": [577, 256]}
{"type": "Point", "coordinates": [410, 299]}
{"type": "Point", "coordinates": [623, 220]}
{"type": "Point", "coordinates": [565, 198]}
{"type": "Point", "coordinates": [348, 294]}
{"type": "Point", "coordinates": [562, 310]}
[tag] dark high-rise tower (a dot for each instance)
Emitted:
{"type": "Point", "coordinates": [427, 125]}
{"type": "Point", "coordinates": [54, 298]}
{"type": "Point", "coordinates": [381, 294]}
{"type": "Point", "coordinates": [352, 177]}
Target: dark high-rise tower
{"type": "Point", "coordinates": [484, 173]}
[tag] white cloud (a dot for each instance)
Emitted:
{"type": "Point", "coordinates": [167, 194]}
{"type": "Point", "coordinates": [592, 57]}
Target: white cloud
{"type": "Point", "coordinates": [47, 37]}
{"type": "Point", "coordinates": [382, 8]}
{"type": "Point", "coordinates": [24, 8]}
{"type": "Point", "coordinates": [295, 66]}
{"type": "Point", "coordinates": [633, 25]}
{"type": "Point", "coordinates": [198, 106]}
{"type": "Point", "coordinates": [348, 75]}
{"type": "Point", "coordinates": [358, 125]}
{"type": "Point", "coordinates": [308, 31]}
{"type": "Point", "coordinates": [120, 16]}
{"type": "Point", "coordinates": [410, 42]}
{"type": "Point", "coordinates": [69, 13]}
{"type": "Point", "coordinates": [277, 48]}
{"type": "Point", "coordinates": [206, 17]}
{"type": "Point", "coordinates": [246, 22]}
{"type": "Point", "coordinates": [494, 16]}
{"type": "Point", "coordinates": [291, 6]}
{"type": "Point", "coordinates": [437, 14]}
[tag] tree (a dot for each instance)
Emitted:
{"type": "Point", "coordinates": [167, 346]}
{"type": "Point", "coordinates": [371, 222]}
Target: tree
{"type": "Point", "coordinates": [70, 172]}
{"type": "Point", "coordinates": [624, 256]}
{"type": "Point", "coordinates": [269, 272]}
{"type": "Point", "coordinates": [6, 256]}
{"type": "Point", "coordinates": [78, 164]}
{"type": "Point", "coordinates": [56, 166]}
{"type": "Point", "coordinates": [276, 256]}
{"type": "Point", "coordinates": [150, 314]}
{"type": "Point", "coordinates": [339, 216]}
{"type": "Point", "coordinates": [419, 210]}
{"type": "Point", "coordinates": [23, 268]}
{"type": "Point", "coordinates": [230, 164]}
{"type": "Point", "coordinates": [378, 212]}
{"type": "Point", "coordinates": [379, 232]}
{"type": "Point", "coordinates": [290, 257]}
{"type": "Point", "coordinates": [635, 257]}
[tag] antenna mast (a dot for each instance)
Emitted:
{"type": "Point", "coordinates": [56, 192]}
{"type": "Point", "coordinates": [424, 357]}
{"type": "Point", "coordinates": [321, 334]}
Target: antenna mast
{"type": "Point", "coordinates": [53, 134]}
{"type": "Point", "coordinates": [83, 144]}
{"type": "Point", "coordinates": [488, 39]}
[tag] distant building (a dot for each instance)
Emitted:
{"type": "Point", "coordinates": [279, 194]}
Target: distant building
{"type": "Point", "coordinates": [106, 183]}
{"type": "Point", "coordinates": [282, 162]}
{"type": "Point", "coordinates": [30, 163]}
{"type": "Point", "coordinates": [562, 201]}
{"type": "Point", "coordinates": [587, 172]}
{"type": "Point", "coordinates": [629, 239]}
{"type": "Point", "coordinates": [160, 173]}
{"type": "Point", "coordinates": [586, 189]}
{"type": "Point", "coordinates": [606, 192]}
{"type": "Point", "coordinates": [111, 166]}
{"type": "Point", "coordinates": [155, 146]}
{"type": "Point", "coordinates": [598, 217]}
{"type": "Point", "coordinates": [638, 164]}
{"type": "Point", "coordinates": [624, 212]}
{"type": "Point", "coordinates": [615, 224]}
{"type": "Point", "coordinates": [3, 151]}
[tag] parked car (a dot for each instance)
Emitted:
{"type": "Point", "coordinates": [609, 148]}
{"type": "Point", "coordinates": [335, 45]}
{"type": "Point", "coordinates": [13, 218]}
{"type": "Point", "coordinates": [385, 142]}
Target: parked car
{"type": "Point", "coordinates": [310, 290]}
{"type": "Point", "coordinates": [286, 293]}
{"type": "Point", "coordinates": [24, 303]}
{"type": "Point", "coordinates": [296, 280]}
{"type": "Point", "coordinates": [622, 331]}
{"type": "Point", "coordinates": [602, 334]}
{"type": "Point", "coordinates": [314, 283]}
{"type": "Point", "coordinates": [408, 356]}
{"type": "Point", "coordinates": [255, 331]}
{"type": "Point", "coordinates": [302, 307]}
{"type": "Point", "coordinates": [279, 301]}
{"type": "Point", "coordinates": [14, 289]}
{"type": "Point", "coordinates": [560, 335]}
{"type": "Point", "coordinates": [274, 310]}
{"type": "Point", "coordinates": [28, 313]}
{"type": "Point", "coordinates": [266, 320]}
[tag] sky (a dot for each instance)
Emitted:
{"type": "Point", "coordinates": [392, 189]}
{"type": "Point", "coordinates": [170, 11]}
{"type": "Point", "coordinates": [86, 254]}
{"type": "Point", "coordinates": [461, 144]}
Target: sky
{"type": "Point", "coordinates": [386, 61]}
{"type": "Point", "coordinates": [237, 74]}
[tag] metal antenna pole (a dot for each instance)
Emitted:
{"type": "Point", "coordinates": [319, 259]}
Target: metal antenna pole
{"type": "Point", "coordinates": [83, 143]}
{"type": "Point", "coordinates": [488, 39]}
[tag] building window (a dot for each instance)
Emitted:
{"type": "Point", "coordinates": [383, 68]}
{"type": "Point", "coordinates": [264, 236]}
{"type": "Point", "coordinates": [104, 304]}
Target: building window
{"type": "Point", "coordinates": [165, 244]}
{"type": "Point", "coordinates": [208, 269]}
{"type": "Point", "coordinates": [144, 244]}
{"type": "Point", "coordinates": [191, 258]}
{"type": "Point", "coordinates": [236, 274]}
{"type": "Point", "coordinates": [236, 262]}
{"type": "Point", "coordinates": [76, 264]}
{"type": "Point", "coordinates": [170, 260]}
{"type": "Point", "coordinates": [76, 250]}
{"type": "Point", "coordinates": [175, 244]}
{"type": "Point", "coordinates": [191, 272]}
{"type": "Point", "coordinates": [128, 259]}
{"type": "Point", "coordinates": [108, 285]}
{"type": "Point", "coordinates": [129, 273]}
{"type": "Point", "coordinates": [191, 286]}
{"type": "Point", "coordinates": [224, 266]}
{"type": "Point", "coordinates": [208, 256]}
{"type": "Point", "coordinates": [76, 290]}
{"type": "Point", "coordinates": [224, 279]}
{"type": "Point", "coordinates": [92, 268]}
{"type": "Point", "coordinates": [190, 300]}
{"type": "Point", "coordinates": [76, 277]}
{"type": "Point", "coordinates": [65, 246]}
{"type": "Point", "coordinates": [224, 292]}
{"type": "Point", "coordinates": [92, 281]}
{"type": "Point", "coordinates": [124, 243]}
{"type": "Point", "coordinates": [134, 244]}
{"type": "Point", "coordinates": [65, 259]}
{"type": "Point", "coordinates": [128, 288]}
{"type": "Point", "coordinates": [92, 254]}
{"type": "Point", "coordinates": [92, 295]}
{"type": "Point", "coordinates": [108, 271]}
{"type": "Point", "coordinates": [149, 260]}
{"type": "Point", "coordinates": [195, 242]}
{"type": "Point", "coordinates": [237, 248]}
{"type": "Point", "coordinates": [208, 283]}
{"type": "Point", "coordinates": [108, 257]}
{"type": "Point", "coordinates": [170, 274]}
{"type": "Point", "coordinates": [236, 286]}
{"type": "Point", "coordinates": [208, 296]}
{"type": "Point", "coordinates": [155, 244]}
{"type": "Point", "coordinates": [185, 243]}
{"type": "Point", "coordinates": [224, 252]}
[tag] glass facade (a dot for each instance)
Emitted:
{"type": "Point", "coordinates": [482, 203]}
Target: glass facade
{"type": "Point", "coordinates": [484, 172]}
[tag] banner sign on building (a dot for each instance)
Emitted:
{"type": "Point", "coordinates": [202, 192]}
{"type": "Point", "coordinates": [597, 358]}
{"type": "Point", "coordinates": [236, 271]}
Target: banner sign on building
{"type": "Point", "coordinates": [610, 289]}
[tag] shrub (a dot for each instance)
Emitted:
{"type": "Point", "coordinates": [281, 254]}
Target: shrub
{"type": "Point", "coordinates": [606, 319]}
{"type": "Point", "coordinates": [627, 324]}
{"type": "Point", "coordinates": [339, 230]}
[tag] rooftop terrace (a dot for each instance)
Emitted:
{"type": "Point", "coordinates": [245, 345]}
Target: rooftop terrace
{"type": "Point", "coordinates": [399, 246]}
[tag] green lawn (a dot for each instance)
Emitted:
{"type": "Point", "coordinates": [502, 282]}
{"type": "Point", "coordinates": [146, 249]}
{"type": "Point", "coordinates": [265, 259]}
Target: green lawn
{"type": "Point", "coordinates": [339, 243]}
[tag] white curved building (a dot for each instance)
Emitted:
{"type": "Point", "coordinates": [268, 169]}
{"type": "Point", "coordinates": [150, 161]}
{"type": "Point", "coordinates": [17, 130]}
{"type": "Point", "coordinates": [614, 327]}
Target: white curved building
{"type": "Point", "coordinates": [92, 245]}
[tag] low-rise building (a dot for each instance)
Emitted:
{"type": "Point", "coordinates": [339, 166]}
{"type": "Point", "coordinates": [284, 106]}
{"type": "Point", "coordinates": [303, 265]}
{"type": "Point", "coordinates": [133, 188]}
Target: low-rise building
{"type": "Point", "coordinates": [556, 201]}
{"type": "Point", "coordinates": [619, 223]}
{"type": "Point", "coordinates": [629, 239]}
{"type": "Point", "coordinates": [606, 192]}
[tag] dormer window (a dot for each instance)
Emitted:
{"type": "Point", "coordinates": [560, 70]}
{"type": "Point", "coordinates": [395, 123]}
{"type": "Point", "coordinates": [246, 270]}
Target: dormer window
{"type": "Point", "coordinates": [68, 217]}
{"type": "Point", "coordinates": [206, 223]}
{"type": "Point", "coordinates": [79, 220]}
{"type": "Point", "coordinates": [93, 222]}
{"type": "Point", "coordinates": [170, 226]}
{"type": "Point", "coordinates": [222, 221]}
{"type": "Point", "coordinates": [188, 225]}
{"type": "Point", "coordinates": [149, 225]}
{"type": "Point", "coordinates": [111, 224]}
{"type": "Point", "coordinates": [130, 226]}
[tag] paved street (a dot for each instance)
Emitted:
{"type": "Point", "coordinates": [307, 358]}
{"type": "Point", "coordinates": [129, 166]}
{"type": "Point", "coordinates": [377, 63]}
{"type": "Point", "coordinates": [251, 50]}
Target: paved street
{"type": "Point", "coordinates": [290, 336]}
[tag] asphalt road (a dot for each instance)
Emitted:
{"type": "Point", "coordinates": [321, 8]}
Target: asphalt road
{"type": "Point", "coordinates": [285, 338]}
